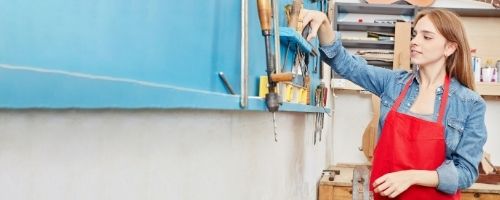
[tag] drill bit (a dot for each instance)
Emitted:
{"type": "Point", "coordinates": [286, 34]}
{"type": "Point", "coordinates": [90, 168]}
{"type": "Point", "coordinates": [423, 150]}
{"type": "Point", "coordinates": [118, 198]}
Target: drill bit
{"type": "Point", "coordinates": [275, 127]}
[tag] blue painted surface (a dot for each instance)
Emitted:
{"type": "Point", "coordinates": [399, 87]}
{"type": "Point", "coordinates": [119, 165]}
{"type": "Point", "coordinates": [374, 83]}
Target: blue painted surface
{"type": "Point", "coordinates": [290, 37]}
{"type": "Point", "coordinates": [109, 92]}
{"type": "Point", "coordinates": [180, 45]}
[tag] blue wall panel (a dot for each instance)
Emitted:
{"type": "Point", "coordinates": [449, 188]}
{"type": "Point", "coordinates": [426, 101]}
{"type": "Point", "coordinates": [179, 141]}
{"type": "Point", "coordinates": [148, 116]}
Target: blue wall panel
{"type": "Point", "coordinates": [179, 46]}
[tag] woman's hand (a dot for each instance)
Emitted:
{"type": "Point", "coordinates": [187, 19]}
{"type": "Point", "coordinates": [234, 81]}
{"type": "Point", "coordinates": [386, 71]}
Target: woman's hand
{"type": "Point", "coordinates": [320, 26]}
{"type": "Point", "coordinates": [393, 184]}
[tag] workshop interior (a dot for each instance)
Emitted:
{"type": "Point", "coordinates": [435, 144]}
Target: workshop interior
{"type": "Point", "coordinates": [220, 99]}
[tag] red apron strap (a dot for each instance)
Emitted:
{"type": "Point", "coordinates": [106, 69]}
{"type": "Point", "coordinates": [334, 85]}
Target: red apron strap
{"type": "Point", "coordinates": [403, 94]}
{"type": "Point", "coordinates": [444, 99]}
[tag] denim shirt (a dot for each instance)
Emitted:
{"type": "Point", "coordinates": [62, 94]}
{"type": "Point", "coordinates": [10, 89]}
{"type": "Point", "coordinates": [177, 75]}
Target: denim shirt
{"type": "Point", "coordinates": [464, 117]}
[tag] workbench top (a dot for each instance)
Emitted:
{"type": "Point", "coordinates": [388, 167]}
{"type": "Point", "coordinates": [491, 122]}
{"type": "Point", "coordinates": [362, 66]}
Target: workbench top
{"type": "Point", "coordinates": [345, 179]}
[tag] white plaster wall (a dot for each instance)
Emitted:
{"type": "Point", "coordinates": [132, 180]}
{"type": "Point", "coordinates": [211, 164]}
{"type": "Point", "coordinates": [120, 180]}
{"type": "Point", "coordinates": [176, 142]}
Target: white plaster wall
{"type": "Point", "coordinates": [492, 145]}
{"type": "Point", "coordinates": [146, 154]}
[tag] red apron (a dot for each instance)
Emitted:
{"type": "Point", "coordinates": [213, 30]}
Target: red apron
{"type": "Point", "coordinates": [408, 142]}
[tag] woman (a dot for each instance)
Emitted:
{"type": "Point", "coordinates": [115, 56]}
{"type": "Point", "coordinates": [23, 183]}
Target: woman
{"type": "Point", "coordinates": [432, 123]}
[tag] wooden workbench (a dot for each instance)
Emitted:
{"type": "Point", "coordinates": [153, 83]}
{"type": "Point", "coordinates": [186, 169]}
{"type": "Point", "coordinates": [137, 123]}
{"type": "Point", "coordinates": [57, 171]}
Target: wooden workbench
{"type": "Point", "coordinates": [341, 188]}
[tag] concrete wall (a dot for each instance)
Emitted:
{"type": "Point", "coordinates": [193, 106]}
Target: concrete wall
{"type": "Point", "coordinates": [144, 154]}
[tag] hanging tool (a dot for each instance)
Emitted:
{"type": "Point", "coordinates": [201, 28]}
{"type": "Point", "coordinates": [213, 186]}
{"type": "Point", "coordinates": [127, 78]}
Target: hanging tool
{"type": "Point", "coordinates": [277, 42]}
{"type": "Point", "coordinates": [325, 6]}
{"type": "Point", "coordinates": [320, 95]}
{"type": "Point", "coordinates": [305, 32]}
{"type": "Point", "coordinates": [272, 98]}
{"type": "Point", "coordinates": [286, 54]}
{"type": "Point", "coordinates": [226, 83]}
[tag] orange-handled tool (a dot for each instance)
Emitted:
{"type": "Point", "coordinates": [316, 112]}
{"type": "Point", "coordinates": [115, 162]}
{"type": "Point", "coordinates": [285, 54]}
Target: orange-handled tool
{"type": "Point", "coordinates": [264, 8]}
{"type": "Point", "coordinates": [272, 98]}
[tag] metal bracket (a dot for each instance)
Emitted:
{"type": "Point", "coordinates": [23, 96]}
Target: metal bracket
{"type": "Point", "coordinates": [244, 54]}
{"type": "Point", "coordinates": [361, 184]}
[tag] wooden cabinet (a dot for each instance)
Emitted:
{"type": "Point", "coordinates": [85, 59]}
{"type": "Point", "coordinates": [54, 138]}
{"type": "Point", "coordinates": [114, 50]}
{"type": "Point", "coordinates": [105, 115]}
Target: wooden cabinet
{"type": "Point", "coordinates": [340, 188]}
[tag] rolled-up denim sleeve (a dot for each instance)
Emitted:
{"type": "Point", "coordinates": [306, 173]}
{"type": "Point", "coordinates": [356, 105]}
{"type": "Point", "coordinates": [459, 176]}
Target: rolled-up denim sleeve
{"type": "Point", "coordinates": [355, 68]}
{"type": "Point", "coordinates": [448, 177]}
{"type": "Point", "coordinates": [461, 171]}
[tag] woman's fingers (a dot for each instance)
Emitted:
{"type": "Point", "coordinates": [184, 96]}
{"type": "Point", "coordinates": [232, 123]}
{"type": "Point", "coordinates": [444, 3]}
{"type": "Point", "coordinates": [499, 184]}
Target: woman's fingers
{"type": "Point", "coordinates": [307, 20]}
{"type": "Point", "coordinates": [382, 187]}
{"type": "Point", "coordinates": [314, 19]}
{"type": "Point", "coordinates": [388, 191]}
{"type": "Point", "coordinates": [393, 184]}
{"type": "Point", "coordinates": [379, 181]}
{"type": "Point", "coordinates": [315, 26]}
{"type": "Point", "coordinates": [307, 17]}
{"type": "Point", "coordinates": [395, 193]}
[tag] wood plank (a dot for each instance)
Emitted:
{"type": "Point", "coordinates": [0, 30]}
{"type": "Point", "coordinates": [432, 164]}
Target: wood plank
{"type": "Point", "coordinates": [483, 34]}
{"type": "Point", "coordinates": [342, 193]}
{"type": "Point", "coordinates": [478, 196]}
{"type": "Point", "coordinates": [369, 135]}
{"type": "Point", "coordinates": [325, 192]}
{"type": "Point", "coordinates": [489, 179]}
{"type": "Point", "coordinates": [483, 188]}
{"type": "Point", "coordinates": [401, 46]}
{"type": "Point", "coordinates": [488, 89]}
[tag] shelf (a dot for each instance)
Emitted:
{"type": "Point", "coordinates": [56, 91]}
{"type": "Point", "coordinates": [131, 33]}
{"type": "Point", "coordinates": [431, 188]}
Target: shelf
{"type": "Point", "coordinates": [392, 9]}
{"type": "Point", "coordinates": [488, 89]}
{"type": "Point", "coordinates": [474, 12]}
{"type": "Point", "coordinates": [378, 63]}
{"type": "Point", "coordinates": [343, 84]}
{"type": "Point", "coordinates": [368, 44]}
{"type": "Point", "coordinates": [356, 26]}
{"type": "Point", "coordinates": [291, 38]}
{"type": "Point", "coordinates": [484, 89]}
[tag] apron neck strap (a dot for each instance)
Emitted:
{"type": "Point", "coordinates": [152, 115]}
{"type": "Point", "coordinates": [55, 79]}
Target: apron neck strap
{"type": "Point", "coordinates": [444, 98]}
{"type": "Point", "coordinates": [403, 94]}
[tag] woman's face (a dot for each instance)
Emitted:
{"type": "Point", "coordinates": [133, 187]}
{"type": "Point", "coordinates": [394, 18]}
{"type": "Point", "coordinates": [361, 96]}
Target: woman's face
{"type": "Point", "coordinates": [428, 46]}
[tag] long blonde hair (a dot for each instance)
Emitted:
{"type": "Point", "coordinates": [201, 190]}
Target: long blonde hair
{"type": "Point", "coordinates": [458, 64]}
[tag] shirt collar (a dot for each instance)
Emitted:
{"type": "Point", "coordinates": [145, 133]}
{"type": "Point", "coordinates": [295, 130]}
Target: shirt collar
{"type": "Point", "coordinates": [454, 84]}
